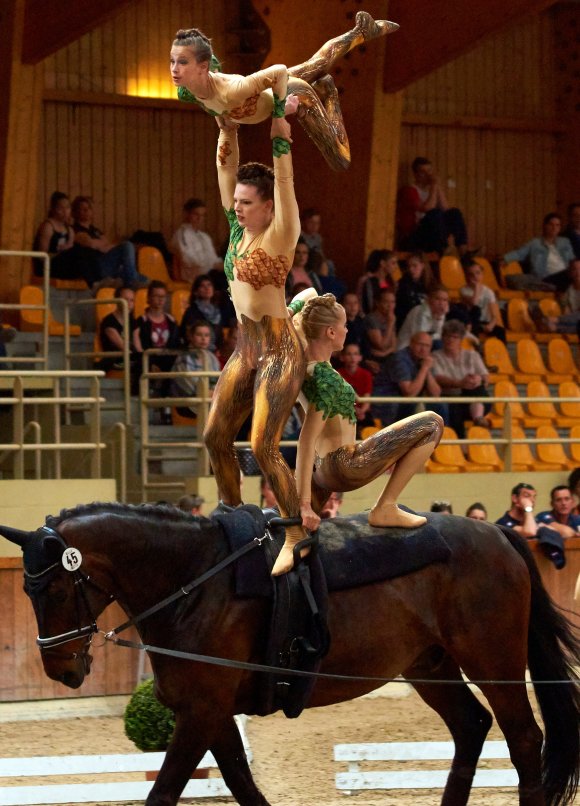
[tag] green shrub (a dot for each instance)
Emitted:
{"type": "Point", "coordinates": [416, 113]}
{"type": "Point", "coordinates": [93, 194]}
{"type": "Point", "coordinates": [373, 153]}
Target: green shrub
{"type": "Point", "coordinates": [148, 723]}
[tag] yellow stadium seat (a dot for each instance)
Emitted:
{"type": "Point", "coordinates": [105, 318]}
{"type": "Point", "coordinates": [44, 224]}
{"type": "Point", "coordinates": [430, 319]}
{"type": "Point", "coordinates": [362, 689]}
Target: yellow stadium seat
{"type": "Point", "coordinates": [179, 304]}
{"type": "Point", "coordinates": [539, 413]}
{"type": "Point", "coordinates": [569, 412]}
{"type": "Point", "coordinates": [451, 458]}
{"type": "Point", "coordinates": [496, 416]}
{"type": "Point", "coordinates": [140, 302]}
{"type": "Point", "coordinates": [485, 456]}
{"type": "Point", "coordinates": [519, 322]}
{"type": "Point", "coordinates": [549, 307]}
{"type": "Point", "coordinates": [32, 321]}
{"type": "Point", "coordinates": [560, 360]}
{"type": "Point", "coordinates": [522, 457]}
{"type": "Point", "coordinates": [575, 446]}
{"type": "Point", "coordinates": [530, 363]}
{"type": "Point", "coordinates": [368, 431]}
{"type": "Point", "coordinates": [105, 308]}
{"type": "Point", "coordinates": [181, 419]}
{"type": "Point", "coordinates": [451, 275]}
{"type": "Point", "coordinates": [553, 452]}
{"type": "Point", "coordinates": [152, 265]}
{"type": "Point", "coordinates": [495, 355]}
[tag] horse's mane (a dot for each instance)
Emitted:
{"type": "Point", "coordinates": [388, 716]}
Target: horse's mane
{"type": "Point", "coordinates": [162, 512]}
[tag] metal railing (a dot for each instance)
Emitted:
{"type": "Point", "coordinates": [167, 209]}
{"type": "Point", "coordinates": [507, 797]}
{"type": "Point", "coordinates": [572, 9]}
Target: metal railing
{"type": "Point", "coordinates": [41, 359]}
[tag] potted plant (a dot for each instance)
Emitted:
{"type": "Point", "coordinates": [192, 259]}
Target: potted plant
{"type": "Point", "coordinates": [150, 725]}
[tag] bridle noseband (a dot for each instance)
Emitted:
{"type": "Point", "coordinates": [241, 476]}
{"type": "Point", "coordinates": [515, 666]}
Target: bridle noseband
{"type": "Point", "coordinates": [80, 579]}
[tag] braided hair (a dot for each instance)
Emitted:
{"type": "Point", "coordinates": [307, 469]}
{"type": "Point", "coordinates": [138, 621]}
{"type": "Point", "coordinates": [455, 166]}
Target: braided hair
{"type": "Point", "coordinates": [318, 314]}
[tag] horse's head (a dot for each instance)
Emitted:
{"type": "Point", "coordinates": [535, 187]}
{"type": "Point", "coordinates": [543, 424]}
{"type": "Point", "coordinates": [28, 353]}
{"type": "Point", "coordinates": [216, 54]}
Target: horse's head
{"type": "Point", "coordinates": [65, 599]}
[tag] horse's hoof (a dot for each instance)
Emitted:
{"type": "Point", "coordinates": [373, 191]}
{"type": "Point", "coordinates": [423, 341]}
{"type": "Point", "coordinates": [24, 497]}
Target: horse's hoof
{"type": "Point", "coordinates": [371, 29]}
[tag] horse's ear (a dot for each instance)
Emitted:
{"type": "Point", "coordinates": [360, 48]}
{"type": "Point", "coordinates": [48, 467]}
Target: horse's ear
{"type": "Point", "coordinates": [16, 535]}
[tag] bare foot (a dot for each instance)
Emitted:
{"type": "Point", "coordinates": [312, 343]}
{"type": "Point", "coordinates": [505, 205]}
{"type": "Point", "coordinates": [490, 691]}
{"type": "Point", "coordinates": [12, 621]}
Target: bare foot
{"type": "Point", "coordinates": [285, 560]}
{"type": "Point", "coordinates": [371, 29]}
{"type": "Point", "coordinates": [391, 515]}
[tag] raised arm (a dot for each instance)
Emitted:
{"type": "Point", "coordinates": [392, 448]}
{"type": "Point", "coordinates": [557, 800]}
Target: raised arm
{"type": "Point", "coordinates": [227, 159]}
{"type": "Point", "coordinates": [285, 228]}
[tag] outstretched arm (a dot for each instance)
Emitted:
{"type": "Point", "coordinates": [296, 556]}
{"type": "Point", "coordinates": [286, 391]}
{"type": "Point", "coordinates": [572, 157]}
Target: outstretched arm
{"type": "Point", "coordinates": [227, 160]}
{"type": "Point", "coordinates": [240, 88]}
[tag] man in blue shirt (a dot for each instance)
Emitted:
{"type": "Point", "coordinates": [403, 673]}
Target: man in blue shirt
{"type": "Point", "coordinates": [560, 517]}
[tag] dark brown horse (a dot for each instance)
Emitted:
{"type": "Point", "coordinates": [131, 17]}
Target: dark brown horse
{"type": "Point", "coordinates": [484, 611]}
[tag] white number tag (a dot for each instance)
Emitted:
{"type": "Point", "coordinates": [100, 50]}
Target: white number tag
{"type": "Point", "coordinates": [72, 559]}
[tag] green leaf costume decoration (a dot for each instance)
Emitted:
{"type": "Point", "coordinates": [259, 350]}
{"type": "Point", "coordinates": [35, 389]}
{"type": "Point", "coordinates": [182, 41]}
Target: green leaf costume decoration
{"type": "Point", "coordinates": [329, 392]}
{"type": "Point", "coordinates": [184, 94]}
{"type": "Point", "coordinates": [280, 146]}
{"type": "Point", "coordinates": [236, 235]}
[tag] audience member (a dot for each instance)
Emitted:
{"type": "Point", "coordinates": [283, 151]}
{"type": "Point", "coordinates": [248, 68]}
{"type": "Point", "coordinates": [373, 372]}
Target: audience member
{"type": "Point", "coordinates": [361, 381]}
{"type": "Point", "coordinates": [227, 344]}
{"type": "Point", "coordinates": [381, 264]}
{"type": "Point", "coordinates": [408, 373]}
{"type": "Point", "coordinates": [461, 372]}
{"type": "Point", "coordinates": [332, 506]}
{"type": "Point", "coordinates": [481, 303]}
{"type": "Point", "coordinates": [428, 317]}
{"type": "Point", "coordinates": [191, 504]}
{"type": "Point", "coordinates": [201, 306]}
{"type": "Point", "coordinates": [569, 321]}
{"type": "Point", "coordinates": [111, 336]}
{"type": "Point", "coordinates": [424, 218]}
{"type": "Point", "coordinates": [198, 357]}
{"type": "Point", "coordinates": [68, 260]}
{"type": "Point", "coordinates": [117, 261]}
{"type": "Point", "coordinates": [572, 231]}
{"type": "Point", "coordinates": [193, 249]}
{"type": "Point", "coordinates": [561, 516]}
{"type": "Point", "coordinates": [322, 277]}
{"type": "Point", "coordinates": [549, 256]}
{"type": "Point", "coordinates": [476, 512]}
{"type": "Point", "coordinates": [311, 220]}
{"type": "Point", "coordinates": [520, 518]}
{"type": "Point", "coordinates": [380, 334]}
{"type": "Point", "coordinates": [413, 286]}
{"type": "Point", "coordinates": [574, 485]}
{"type": "Point", "coordinates": [443, 507]}
{"type": "Point", "coordinates": [157, 329]}
{"type": "Point", "coordinates": [299, 273]}
{"type": "Point", "coordinates": [355, 322]}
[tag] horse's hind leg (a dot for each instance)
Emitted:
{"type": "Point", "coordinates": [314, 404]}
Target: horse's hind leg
{"type": "Point", "coordinates": [228, 751]}
{"type": "Point", "coordinates": [467, 720]}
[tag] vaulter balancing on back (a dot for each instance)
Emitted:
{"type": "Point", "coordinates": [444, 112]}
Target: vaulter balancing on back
{"type": "Point", "coordinates": [251, 99]}
{"type": "Point", "coordinates": [266, 370]}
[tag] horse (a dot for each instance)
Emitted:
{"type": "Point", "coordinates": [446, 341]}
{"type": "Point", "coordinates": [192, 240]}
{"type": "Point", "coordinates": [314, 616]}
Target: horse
{"type": "Point", "coordinates": [484, 611]}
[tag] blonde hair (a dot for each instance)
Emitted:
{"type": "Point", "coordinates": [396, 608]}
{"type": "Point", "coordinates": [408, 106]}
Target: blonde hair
{"type": "Point", "coordinates": [318, 314]}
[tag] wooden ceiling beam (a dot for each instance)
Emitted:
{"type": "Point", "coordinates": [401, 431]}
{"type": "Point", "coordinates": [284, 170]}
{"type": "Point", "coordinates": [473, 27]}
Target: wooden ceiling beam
{"type": "Point", "coordinates": [50, 26]}
{"type": "Point", "coordinates": [433, 32]}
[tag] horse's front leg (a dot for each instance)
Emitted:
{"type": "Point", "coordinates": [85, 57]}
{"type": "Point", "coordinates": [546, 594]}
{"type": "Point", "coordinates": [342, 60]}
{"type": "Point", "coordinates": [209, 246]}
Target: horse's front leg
{"type": "Point", "coordinates": [228, 751]}
{"type": "Point", "coordinates": [191, 739]}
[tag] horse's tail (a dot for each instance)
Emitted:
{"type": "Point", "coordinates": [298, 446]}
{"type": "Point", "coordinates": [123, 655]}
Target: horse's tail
{"type": "Point", "coordinates": [553, 654]}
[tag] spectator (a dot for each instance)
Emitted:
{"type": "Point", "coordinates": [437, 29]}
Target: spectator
{"type": "Point", "coordinates": [191, 504]}
{"type": "Point", "coordinates": [68, 260]}
{"type": "Point", "coordinates": [361, 381]}
{"type": "Point", "coordinates": [520, 518]}
{"type": "Point", "coordinates": [355, 322]}
{"type": "Point", "coordinates": [574, 485]}
{"type": "Point", "coordinates": [572, 231]}
{"type": "Point", "coordinates": [461, 372]}
{"type": "Point", "coordinates": [201, 306]}
{"type": "Point", "coordinates": [311, 220]}
{"type": "Point", "coordinates": [156, 328]}
{"type": "Point", "coordinates": [380, 335]}
{"type": "Point", "coordinates": [549, 256]}
{"type": "Point", "coordinates": [479, 299]}
{"type": "Point", "coordinates": [322, 277]}
{"type": "Point", "coordinates": [332, 506]}
{"type": "Point", "coordinates": [111, 336]}
{"type": "Point", "coordinates": [444, 507]}
{"type": "Point", "coordinates": [381, 264]}
{"type": "Point", "coordinates": [117, 261]}
{"type": "Point", "coordinates": [408, 373]}
{"type": "Point", "coordinates": [198, 357]}
{"type": "Point", "coordinates": [561, 517]}
{"type": "Point", "coordinates": [570, 301]}
{"type": "Point", "coordinates": [413, 286]}
{"type": "Point", "coordinates": [476, 512]}
{"type": "Point", "coordinates": [194, 252]}
{"type": "Point", "coordinates": [424, 219]}
{"type": "Point", "coordinates": [299, 273]}
{"type": "Point", "coordinates": [228, 344]}
{"type": "Point", "coordinates": [428, 317]}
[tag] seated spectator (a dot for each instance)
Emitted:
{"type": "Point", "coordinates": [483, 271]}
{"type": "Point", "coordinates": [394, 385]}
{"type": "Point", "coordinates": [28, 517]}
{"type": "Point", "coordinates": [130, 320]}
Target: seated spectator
{"type": "Point", "coordinates": [111, 336]}
{"type": "Point", "coordinates": [520, 518]}
{"type": "Point", "coordinates": [157, 329]}
{"type": "Point", "coordinates": [332, 506]}
{"type": "Point", "coordinates": [68, 260]}
{"type": "Point", "coordinates": [311, 220]}
{"type": "Point", "coordinates": [424, 219]}
{"type": "Point", "coordinates": [574, 485]}
{"type": "Point", "coordinates": [380, 335]}
{"type": "Point", "coordinates": [569, 321]}
{"type": "Point", "coordinates": [413, 287]}
{"type": "Point", "coordinates": [549, 256]}
{"type": "Point", "coordinates": [572, 231]}
{"type": "Point", "coordinates": [408, 373]}
{"type": "Point", "coordinates": [355, 322]}
{"type": "Point", "coordinates": [428, 317]}
{"type": "Point", "coordinates": [361, 381]}
{"type": "Point", "coordinates": [444, 507]}
{"type": "Point", "coordinates": [481, 303]}
{"type": "Point", "coordinates": [476, 512]}
{"type": "Point", "coordinates": [461, 372]}
{"type": "Point", "coordinates": [319, 270]}
{"type": "Point", "coordinates": [201, 306]}
{"type": "Point", "coordinates": [299, 273]}
{"type": "Point", "coordinates": [197, 357]}
{"type": "Point", "coordinates": [561, 516]}
{"type": "Point", "coordinates": [117, 261]}
{"type": "Point", "coordinates": [381, 264]}
{"type": "Point", "coordinates": [227, 344]}
{"type": "Point", "coordinates": [193, 250]}
{"type": "Point", "coordinates": [191, 504]}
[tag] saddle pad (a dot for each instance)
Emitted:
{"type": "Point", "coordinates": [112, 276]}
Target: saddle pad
{"type": "Point", "coordinates": [352, 552]}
